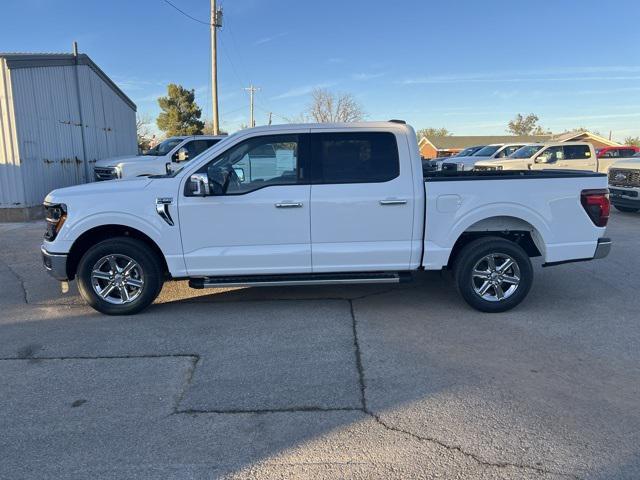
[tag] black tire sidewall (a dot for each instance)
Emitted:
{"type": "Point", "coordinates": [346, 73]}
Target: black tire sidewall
{"type": "Point", "coordinates": [479, 248]}
{"type": "Point", "coordinates": [137, 250]}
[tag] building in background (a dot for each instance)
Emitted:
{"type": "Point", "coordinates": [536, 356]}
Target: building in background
{"type": "Point", "coordinates": [59, 113]}
{"type": "Point", "coordinates": [596, 140]}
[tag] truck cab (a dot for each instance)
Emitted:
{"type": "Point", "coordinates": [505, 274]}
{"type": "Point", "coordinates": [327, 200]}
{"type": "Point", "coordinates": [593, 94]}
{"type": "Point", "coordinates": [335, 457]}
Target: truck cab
{"type": "Point", "coordinates": [164, 157]}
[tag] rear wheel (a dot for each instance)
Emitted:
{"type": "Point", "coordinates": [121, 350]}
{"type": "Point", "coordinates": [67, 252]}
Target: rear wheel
{"type": "Point", "coordinates": [626, 209]}
{"type": "Point", "coordinates": [119, 276]}
{"type": "Point", "coordinates": [493, 274]}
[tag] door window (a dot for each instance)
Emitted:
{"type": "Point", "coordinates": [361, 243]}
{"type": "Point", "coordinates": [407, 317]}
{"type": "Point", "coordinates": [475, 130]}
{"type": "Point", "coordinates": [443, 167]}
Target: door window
{"type": "Point", "coordinates": [508, 151]}
{"type": "Point", "coordinates": [256, 163]}
{"type": "Point", "coordinates": [370, 157]}
{"type": "Point", "coordinates": [550, 155]}
{"type": "Point", "coordinates": [577, 152]}
{"type": "Point", "coordinates": [196, 147]}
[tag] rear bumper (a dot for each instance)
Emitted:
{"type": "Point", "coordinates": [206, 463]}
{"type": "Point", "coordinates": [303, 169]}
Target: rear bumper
{"type": "Point", "coordinates": [55, 264]}
{"type": "Point", "coordinates": [602, 250]}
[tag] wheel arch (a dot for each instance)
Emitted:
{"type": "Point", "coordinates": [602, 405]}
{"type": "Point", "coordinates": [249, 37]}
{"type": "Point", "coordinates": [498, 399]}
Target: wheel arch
{"type": "Point", "coordinates": [515, 229]}
{"type": "Point", "coordinates": [103, 232]}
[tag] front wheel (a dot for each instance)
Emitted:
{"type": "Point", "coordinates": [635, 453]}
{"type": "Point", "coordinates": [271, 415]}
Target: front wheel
{"type": "Point", "coordinates": [626, 209]}
{"type": "Point", "coordinates": [119, 276]}
{"type": "Point", "coordinates": [492, 274]}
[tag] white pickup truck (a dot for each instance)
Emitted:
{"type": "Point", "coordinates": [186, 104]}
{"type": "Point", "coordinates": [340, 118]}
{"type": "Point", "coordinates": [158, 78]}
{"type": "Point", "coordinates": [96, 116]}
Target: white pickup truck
{"type": "Point", "coordinates": [163, 158]}
{"type": "Point", "coordinates": [320, 204]}
{"type": "Point", "coordinates": [624, 184]}
{"type": "Point", "coordinates": [551, 156]}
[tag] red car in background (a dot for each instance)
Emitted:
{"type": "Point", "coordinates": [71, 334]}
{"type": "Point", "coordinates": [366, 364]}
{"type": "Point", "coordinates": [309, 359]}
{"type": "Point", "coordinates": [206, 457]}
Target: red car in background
{"type": "Point", "coordinates": [625, 151]}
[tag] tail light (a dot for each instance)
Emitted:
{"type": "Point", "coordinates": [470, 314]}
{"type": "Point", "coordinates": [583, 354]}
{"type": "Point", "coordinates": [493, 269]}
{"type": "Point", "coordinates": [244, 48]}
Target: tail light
{"type": "Point", "coordinates": [596, 204]}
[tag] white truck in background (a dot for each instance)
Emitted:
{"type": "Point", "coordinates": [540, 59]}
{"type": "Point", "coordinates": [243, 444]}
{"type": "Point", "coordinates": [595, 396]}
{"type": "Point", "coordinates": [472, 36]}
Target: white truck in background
{"type": "Point", "coordinates": [551, 156]}
{"type": "Point", "coordinates": [320, 204]}
{"type": "Point", "coordinates": [624, 184]}
{"type": "Point", "coordinates": [163, 158]}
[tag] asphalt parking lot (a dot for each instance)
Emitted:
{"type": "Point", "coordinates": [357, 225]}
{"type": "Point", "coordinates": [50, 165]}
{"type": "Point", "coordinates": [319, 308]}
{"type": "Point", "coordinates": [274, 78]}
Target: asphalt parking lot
{"type": "Point", "coordinates": [323, 382]}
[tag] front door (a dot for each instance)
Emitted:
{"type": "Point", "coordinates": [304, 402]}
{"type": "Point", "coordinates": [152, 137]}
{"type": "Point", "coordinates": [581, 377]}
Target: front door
{"type": "Point", "coordinates": [259, 223]}
{"type": "Point", "coordinates": [362, 203]}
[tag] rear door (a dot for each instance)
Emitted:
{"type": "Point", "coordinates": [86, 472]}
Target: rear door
{"type": "Point", "coordinates": [362, 202]}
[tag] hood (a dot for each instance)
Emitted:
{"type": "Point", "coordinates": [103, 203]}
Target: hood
{"type": "Point", "coordinates": [98, 188]}
{"type": "Point", "coordinates": [633, 163]}
{"type": "Point", "coordinates": [112, 162]}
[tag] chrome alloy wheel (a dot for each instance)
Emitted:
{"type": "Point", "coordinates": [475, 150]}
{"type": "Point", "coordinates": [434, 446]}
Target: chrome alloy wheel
{"type": "Point", "coordinates": [495, 277]}
{"type": "Point", "coordinates": [117, 279]}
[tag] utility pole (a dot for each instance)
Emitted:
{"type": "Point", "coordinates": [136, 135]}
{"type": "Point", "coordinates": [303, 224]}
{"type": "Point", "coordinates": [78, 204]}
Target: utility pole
{"type": "Point", "coordinates": [216, 22]}
{"type": "Point", "coordinates": [252, 90]}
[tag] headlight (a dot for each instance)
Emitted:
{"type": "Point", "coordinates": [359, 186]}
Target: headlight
{"type": "Point", "coordinates": [55, 216]}
{"type": "Point", "coordinates": [499, 167]}
{"type": "Point", "coordinates": [117, 171]}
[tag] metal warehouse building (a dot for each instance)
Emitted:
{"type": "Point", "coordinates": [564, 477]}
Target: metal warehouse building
{"type": "Point", "coordinates": [59, 113]}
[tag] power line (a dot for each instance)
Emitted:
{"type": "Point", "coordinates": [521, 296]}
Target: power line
{"type": "Point", "coordinates": [186, 14]}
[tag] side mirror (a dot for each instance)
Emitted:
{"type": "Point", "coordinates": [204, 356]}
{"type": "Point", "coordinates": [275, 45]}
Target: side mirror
{"type": "Point", "coordinates": [182, 155]}
{"type": "Point", "coordinates": [199, 185]}
{"type": "Point", "coordinates": [545, 159]}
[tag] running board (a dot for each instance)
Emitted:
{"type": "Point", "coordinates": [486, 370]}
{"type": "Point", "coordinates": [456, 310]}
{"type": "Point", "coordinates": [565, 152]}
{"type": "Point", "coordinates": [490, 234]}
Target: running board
{"type": "Point", "coordinates": [300, 279]}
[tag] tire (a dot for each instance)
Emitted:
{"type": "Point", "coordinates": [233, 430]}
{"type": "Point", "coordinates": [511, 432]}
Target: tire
{"type": "Point", "coordinates": [475, 257]}
{"type": "Point", "coordinates": [626, 209]}
{"type": "Point", "coordinates": [131, 290]}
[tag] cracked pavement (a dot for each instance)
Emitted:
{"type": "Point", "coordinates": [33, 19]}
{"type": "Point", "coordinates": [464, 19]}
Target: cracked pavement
{"type": "Point", "coordinates": [323, 382]}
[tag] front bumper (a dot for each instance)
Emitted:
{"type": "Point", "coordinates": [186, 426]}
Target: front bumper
{"type": "Point", "coordinates": [55, 264]}
{"type": "Point", "coordinates": [625, 197]}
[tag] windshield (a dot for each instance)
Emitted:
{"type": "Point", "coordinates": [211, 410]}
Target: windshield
{"type": "Point", "coordinates": [467, 152]}
{"type": "Point", "coordinates": [527, 151]}
{"type": "Point", "coordinates": [164, 147]}
{"type": "Point", "coordinates": [487, 151]}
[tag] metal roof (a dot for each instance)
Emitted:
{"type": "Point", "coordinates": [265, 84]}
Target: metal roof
{"type": "Point", "coordinates": [31, 60]}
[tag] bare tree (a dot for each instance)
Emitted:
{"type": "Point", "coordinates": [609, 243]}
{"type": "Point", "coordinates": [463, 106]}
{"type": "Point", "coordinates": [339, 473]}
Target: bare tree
{"type": "Point", "coordinates": [432, 132]}
{"type": "Point", "coordinates": [526, 125]}
{"type": "Point", "coordinates": [142, 131]}
{"type": "Point", "coordinates": [632, 141]}
{"type": "Point", "coordinates": [328, 107]}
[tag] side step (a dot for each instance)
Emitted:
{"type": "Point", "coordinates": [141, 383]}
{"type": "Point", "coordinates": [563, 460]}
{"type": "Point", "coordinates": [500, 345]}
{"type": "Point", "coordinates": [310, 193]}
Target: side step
{"type": "Point", "coordinates": [301, 279]}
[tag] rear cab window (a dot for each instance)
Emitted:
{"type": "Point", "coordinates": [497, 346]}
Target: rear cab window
{"type": "Point", "coordinates": [354, 157]}
{"type": "Point", "coordinates": [577, 152]}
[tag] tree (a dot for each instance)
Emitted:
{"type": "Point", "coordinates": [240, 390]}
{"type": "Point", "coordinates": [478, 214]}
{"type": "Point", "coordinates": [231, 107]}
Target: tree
{"type": "Point", "coordinates": [208, 128]}
{"type": "Point", "coordinates": [180, 113]}
{"type": "Point", "coordinates": [632, 141]}
{"type": "Point", "coordinates": [328, 107]}
{"type": "Point", "coordinates": [585, 130]}
{"type": "Point", "coordinates": [526, 125]}
{"type": "Point", "coordinates": [432, 132]}
{"type": "Point", "coordinates": [142, 131]}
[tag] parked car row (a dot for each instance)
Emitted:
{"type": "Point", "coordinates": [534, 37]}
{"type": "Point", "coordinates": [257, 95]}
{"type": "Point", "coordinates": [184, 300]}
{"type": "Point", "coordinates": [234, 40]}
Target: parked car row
{"type": "Point", "coordinates": [163, 158]}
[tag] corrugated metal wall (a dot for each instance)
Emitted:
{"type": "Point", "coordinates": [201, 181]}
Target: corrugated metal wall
{"type": "Point", "coordinates": [48, 125]}
{"type": "Point", "coordinates": [11, 189]}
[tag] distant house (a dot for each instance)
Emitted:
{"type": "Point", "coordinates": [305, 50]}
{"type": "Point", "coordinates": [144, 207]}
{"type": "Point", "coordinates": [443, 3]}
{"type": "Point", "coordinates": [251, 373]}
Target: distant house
{"type": "Point", "coordinates": [596, 140]}
{"type": "Point", "coordinates": [450, 145]}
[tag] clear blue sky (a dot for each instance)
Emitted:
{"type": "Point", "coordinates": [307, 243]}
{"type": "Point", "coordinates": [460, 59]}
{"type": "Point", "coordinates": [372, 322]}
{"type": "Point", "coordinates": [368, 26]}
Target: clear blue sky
{"type": "Point", "coordinates": [468, 66]}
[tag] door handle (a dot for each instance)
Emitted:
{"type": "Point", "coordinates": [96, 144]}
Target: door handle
{"type": "Point", "coordinates": [393, 202]}
{"type": "Point", "coordinates": [288, 205]}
